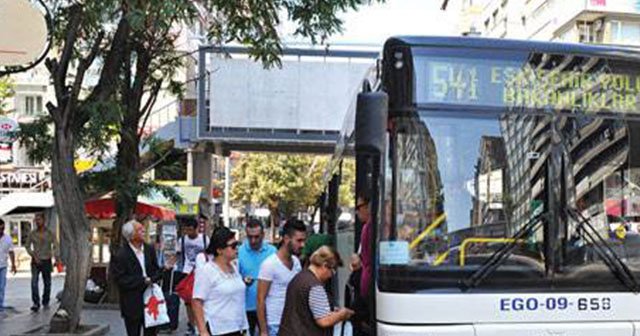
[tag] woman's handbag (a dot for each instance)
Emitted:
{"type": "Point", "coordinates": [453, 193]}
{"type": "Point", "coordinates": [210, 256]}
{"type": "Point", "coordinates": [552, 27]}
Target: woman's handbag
{"type": "Point", "coordinates": [184, 288]}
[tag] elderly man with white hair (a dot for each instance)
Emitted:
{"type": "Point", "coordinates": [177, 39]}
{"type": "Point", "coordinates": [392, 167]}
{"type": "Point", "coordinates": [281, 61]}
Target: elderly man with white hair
{"type": "Point", "coordinates": [135, 267]}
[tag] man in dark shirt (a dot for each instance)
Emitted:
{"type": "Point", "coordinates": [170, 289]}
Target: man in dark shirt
{"type": "Point", "coordinates": [135, 268]}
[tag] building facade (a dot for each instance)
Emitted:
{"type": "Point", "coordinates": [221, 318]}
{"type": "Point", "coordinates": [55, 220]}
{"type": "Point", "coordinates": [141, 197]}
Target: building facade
{"type": "Point", "coordinates": [614, 22]}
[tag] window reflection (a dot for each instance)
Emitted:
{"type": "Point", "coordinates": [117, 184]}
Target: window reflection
{"type": "Point", "coordinates": [465, 186]}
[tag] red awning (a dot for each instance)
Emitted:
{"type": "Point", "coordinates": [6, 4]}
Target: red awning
{"type": "Point", "coordinates": [105, 209]}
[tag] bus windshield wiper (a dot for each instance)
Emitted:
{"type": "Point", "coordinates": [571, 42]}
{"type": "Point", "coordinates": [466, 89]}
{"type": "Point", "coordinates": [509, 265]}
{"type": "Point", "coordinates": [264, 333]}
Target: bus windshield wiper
{"type": "Point", "coordinates": [498, 257]}
{"type": "Point", "coordinates": [604, 250]}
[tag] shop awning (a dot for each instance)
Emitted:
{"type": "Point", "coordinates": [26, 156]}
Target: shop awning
{"type": "Point", "coordinates": [190, 200]}
{"type": "Point", "coordinates": [105, 209]}
{"type": "Point", "coordinates": [25, 202]}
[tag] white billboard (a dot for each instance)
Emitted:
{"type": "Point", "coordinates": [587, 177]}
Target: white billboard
{"type": "Point", "coordinates": [311, 95]}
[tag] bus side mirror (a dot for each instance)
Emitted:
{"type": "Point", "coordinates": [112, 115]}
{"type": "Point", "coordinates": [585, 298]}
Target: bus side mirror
{"type": "Point", "coordinates": [371, 122]}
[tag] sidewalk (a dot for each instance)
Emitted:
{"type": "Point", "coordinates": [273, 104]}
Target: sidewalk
{"type": "Point", "coordinates": [18, 323]}
{"type": "Point", "coordinates": [24, 321]}
{"type": "Point", "coordinates": [20, 319]}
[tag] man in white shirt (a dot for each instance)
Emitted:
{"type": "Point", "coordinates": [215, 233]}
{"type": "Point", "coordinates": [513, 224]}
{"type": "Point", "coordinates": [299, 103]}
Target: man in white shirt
{"type": "Point", "coordinates": [6, 249]}
{"type": "Point", "coordinates": [275, 274]}
{"type": "Point", "coordinates": [189, 246]}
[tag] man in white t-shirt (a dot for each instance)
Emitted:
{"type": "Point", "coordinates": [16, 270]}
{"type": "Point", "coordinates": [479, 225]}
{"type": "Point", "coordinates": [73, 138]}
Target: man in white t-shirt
{"type": "Point", "coordinates": [275, 274]}
{"type": "Point", "coordinates": [189, 246]}
{"type": "Point", "coordinates": [6, 249]}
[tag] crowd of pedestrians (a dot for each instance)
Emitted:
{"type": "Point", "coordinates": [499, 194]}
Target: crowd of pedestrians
{"type": "Point", "coordinates": [246, 288]}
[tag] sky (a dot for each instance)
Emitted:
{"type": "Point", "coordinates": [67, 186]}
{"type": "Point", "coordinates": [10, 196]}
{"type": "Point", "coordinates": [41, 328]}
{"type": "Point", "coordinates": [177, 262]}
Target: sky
{"type": "Point", "coordinates": [375, 23]}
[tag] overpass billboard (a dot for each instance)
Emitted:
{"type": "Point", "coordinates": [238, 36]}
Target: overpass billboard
{"type": "Point", "coordinates": [299, 96]}
{"type": "Point", "coordinates": [298, 106]}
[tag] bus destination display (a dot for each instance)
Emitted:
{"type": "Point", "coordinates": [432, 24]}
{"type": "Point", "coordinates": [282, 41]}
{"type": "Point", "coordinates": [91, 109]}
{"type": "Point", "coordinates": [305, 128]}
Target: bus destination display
{"type": "Point", "coordinates": [510, 84]}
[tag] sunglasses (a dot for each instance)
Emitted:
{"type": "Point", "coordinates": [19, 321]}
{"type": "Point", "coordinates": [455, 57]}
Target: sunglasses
{"type": "Point", "coordinates": [233, 245]}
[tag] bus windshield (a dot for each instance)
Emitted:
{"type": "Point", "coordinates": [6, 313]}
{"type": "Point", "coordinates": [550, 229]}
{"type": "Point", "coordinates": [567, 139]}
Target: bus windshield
{"type": "Point", "coordinates": [550, 181]}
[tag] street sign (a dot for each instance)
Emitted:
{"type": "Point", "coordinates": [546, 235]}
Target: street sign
{"type": "Point", "coordinates": [24, 35]}
{"type": "Point", "coordinates": [8, 127]}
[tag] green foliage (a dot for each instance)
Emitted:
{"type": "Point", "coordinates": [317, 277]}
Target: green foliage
{"type": "Point", "coordinates": [100, 128]}
{"type": "Point", "coordinates": [153, 28]}
{"type": "Point", "coordinates": [6, 92]}
{"type": "Point", "coordinates": [37, 138]}
{"type": "Point", "coordinates": [286, 182]}
{"type": "Point", "coordinates": [174, 167]}
{"type": "Point", "coordinates": [348, 184]}
{"type": "Point", "coordinates": [254, 23]}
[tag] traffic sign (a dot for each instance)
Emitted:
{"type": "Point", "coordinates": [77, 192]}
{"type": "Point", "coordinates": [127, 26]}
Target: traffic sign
{"type": "Point", "coordinates": [8, 128]}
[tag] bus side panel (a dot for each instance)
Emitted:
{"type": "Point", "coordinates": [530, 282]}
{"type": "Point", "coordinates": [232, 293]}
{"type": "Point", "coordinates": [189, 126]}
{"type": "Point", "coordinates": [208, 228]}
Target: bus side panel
{"type": "Point", "coordinates": [456, 330]}
{"type": "Point", "coordinates": [507, 308]}
{"type": "Point", "coordinates": [564, 329]}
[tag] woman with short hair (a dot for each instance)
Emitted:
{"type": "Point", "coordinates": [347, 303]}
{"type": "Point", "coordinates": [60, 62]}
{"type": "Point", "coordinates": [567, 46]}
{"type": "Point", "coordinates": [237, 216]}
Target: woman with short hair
{"type": "Point", "coordinates": [307, 310]}
{"type": "Point", "coordinates": [218, 290]}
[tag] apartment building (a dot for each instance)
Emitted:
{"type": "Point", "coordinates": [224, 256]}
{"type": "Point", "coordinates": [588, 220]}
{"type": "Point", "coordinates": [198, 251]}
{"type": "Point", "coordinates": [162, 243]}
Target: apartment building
{"type": "Point", "coordinates": [615, 22]}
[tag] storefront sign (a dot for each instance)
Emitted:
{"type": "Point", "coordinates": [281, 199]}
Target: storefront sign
{"type": "Point", "coordinates": [21, 179]}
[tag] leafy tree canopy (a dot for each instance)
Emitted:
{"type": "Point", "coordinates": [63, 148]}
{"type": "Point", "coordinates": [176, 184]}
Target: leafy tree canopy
{"type": "Point", "coordinates": [286, 182]}
{"type": "Point", "coordinates": [6, 92]}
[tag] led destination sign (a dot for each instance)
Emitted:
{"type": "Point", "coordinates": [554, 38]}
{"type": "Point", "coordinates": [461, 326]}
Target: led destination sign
{"type": "Point", "coordinates": [456, 81]}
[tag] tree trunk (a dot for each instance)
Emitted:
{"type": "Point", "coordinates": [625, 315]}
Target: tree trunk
{"type": "Point", "coordinates": [74, 231]}
{"type": "Point", "coordinates": [126, 193]}
{"type": "Point", "coordinates": [274, 220]}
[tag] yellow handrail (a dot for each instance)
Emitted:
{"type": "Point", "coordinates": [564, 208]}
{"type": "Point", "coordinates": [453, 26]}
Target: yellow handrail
{"type": "Point", "coordinates": [483, 240]}
{"type": "Point", "coordinates": [441, 258]}
{"type": "Point", "coordinates": [428, 230]}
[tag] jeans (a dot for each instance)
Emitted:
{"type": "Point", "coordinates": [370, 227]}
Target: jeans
{"type": "Point", "coordinates": [252, 318]}
{"type": "Point", "coordinates": [273, 329]}
{"type": "Point", "coordinates": [3, 284]}
{"type": "Point", "coordinates": [45, 267]}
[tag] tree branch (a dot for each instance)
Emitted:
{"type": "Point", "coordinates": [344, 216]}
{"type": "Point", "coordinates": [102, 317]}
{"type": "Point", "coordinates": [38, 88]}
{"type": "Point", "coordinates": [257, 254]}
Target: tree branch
{"type": "Point", "coordinates": [62, 66]}
{"type": "Point", "coordinates": [146, 110]}
{"type": "Point", "coordinates": [141, 77]}
{"type": "Point", "coordinates": [108, 82]}
{"type": "Point", "coordinates": [71, 109]}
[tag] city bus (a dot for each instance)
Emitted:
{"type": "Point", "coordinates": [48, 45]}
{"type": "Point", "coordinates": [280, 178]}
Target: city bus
{"type": "Point", "coordinates": [504, 179]}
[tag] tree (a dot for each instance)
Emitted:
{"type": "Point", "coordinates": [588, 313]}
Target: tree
{"type": "Point", "coordinates": [6, 92]}
{"type": "Point", "coordinates": [347, 196]}
{"type": "Point", "coordinates": [133, 44]}
{"type": "Point", "coordinates": [282, 183]}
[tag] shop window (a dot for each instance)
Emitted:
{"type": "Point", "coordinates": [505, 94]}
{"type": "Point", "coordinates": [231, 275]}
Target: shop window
{"type": "Point", "coordinates": [625, 32]}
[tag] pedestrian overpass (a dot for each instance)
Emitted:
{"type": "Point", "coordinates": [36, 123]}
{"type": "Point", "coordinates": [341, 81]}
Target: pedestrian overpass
{"type": "Point", "coordinates": [298, 107]}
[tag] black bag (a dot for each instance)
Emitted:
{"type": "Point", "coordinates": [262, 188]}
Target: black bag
{"type": "Point", "coordinates": [173, 309]}
{"type": "Point", "coordinates": [360, 319]}
{"type": "Point", "coordinates": [173, 303]}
